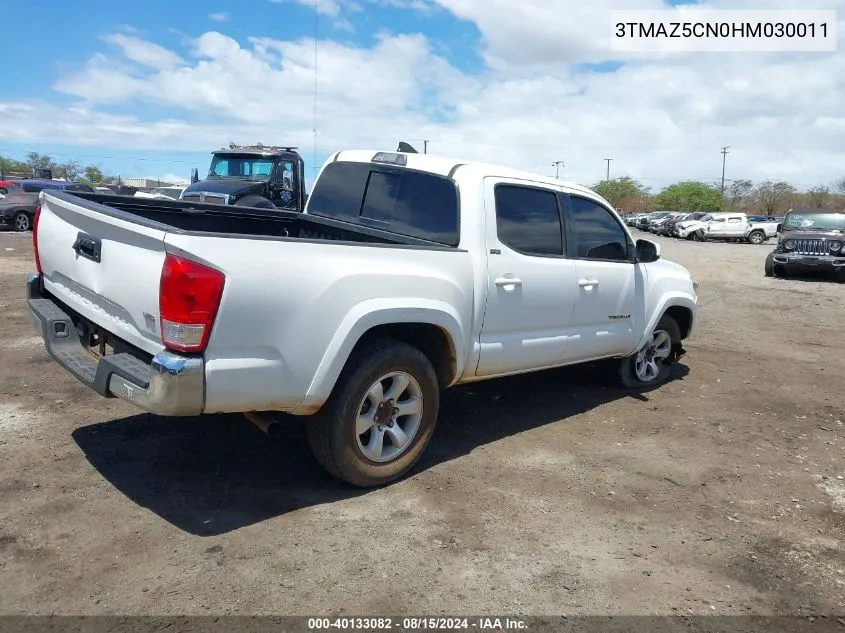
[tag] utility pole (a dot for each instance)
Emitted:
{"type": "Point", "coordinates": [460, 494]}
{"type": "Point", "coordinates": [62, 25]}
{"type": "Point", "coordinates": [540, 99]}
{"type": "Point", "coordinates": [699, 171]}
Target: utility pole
{"type": "Point", "coordinates": [425, 147]}
{"type": "Point", "coordinates": [608, 167]}
{"type": "Point", "coordinates": [557, 165]}
{"type": "Point", "coordinates": [724, 158]}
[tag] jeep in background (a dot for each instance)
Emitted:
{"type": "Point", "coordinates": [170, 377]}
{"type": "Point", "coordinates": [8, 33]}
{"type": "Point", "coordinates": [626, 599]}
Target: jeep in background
{"type": "Point", "coordinates": [810, 239]}
{"type": "Point", "coordinates": [252, 176]}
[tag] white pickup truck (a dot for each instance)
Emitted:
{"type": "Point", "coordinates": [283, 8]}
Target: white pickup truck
{"type": "Point", "coordinates": [727, 226]}
{"type": "Point", "coordinates": [406, 274]}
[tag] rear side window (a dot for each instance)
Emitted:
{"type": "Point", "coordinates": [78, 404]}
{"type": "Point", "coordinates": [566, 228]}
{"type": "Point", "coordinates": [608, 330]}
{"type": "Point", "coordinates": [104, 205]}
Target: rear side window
{"type": "Point", "coordinates": [528, 220]}
{"type": "Point", "coordinates": [406, 202]}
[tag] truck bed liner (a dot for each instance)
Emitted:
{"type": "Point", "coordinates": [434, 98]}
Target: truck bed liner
{"type": "Point", "coordinates": [177, 216]}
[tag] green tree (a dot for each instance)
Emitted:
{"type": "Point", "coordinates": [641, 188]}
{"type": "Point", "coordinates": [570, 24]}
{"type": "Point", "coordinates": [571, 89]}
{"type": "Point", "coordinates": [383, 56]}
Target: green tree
{"type": "Point", "coordinates": [12, 166]}
{"type": "Point", "coordinates": [774, 198]}
{"type": "Point", "coordinates": [34, 160]}
{"type": "Point", "coordinates": [739, 193]}
{"type": "Point", "coordinates": [819, 196]}
{"type": "Point", "coordinates": [70, 170]}
{"type": "Point", "coordinates": [689, 196]}
{"type": "Point", "coordinates": [93, 174]}
{"type": "Point", "coordinates": [625, 192]}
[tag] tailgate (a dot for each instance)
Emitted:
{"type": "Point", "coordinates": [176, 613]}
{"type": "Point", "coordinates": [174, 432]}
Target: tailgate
{"type": "Point", "coordinates": [105, 264]}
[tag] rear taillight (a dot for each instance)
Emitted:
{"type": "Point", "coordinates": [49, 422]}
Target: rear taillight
{"type": "Point", "coordinates": [189, 296]}
{"type": "Point", "coordinates": [35, 238]}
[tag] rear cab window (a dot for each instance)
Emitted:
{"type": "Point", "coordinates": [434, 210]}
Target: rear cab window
{"type": "Point", "coordinates": [396, 199]}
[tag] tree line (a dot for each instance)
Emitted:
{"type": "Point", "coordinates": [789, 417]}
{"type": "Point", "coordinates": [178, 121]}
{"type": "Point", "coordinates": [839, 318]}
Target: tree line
{"type": "Point", "coordinates": [764, 198]}
{"type": "Point", "coordinates": [628, 194]}
{"type": "Point", "coordinates": [69, 170]}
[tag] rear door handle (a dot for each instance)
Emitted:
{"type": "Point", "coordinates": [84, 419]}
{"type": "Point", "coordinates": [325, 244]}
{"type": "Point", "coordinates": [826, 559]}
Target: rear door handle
{"type": "Point", "coordinates": [587, 283]}
{"type": "Point", "coordinates": [508, 281]}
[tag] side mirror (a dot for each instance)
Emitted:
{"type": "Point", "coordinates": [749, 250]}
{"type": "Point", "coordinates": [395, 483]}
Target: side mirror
{"type": "Point", "coordinates": [647, 251]}
{"type": "Point", "coordinates": [194, 175]}
{"type": "Point", "coordinates": [780, 227]}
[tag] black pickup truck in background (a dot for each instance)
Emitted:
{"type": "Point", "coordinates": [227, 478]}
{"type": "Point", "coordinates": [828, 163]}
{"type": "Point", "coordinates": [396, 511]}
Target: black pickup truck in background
{"type": "Point", "coordinates": [258, 176]}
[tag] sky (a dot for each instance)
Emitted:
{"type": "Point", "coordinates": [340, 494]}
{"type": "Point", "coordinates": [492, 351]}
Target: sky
{"type": "Point", "coordinates": [150, 89]}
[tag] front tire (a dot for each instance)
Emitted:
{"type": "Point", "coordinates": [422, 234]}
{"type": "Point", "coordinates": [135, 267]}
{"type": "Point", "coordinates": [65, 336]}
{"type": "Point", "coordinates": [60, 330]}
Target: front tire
{"type": "Point", "coordinates": [380, 416]}
{"type": "Point", "coordinates": [769, 266]}
{"type": "Point", "coordinates": [648, 366]}
{"type": "Point", "coordinates": [698, 236]}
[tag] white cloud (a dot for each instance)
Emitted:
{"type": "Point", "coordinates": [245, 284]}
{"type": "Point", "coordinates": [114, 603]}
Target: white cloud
{"type": "Point", "coordinates": [223, 16]}
{"type": "Point", "coordinates": [660, 118]}
{"type": "Point", "coordinates": [144, 52]}
{"type": "Point", "coordinates": [172, 178]}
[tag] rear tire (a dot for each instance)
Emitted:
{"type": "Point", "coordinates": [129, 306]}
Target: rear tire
{"type": "Point", "coordinates": [647, 367]}
{"type": "Point", "coordinates": [22, 222]}
{"type": "Point", "coordinates": [756, 237]}
{"type": "Point", "coordinates": [392, 442]}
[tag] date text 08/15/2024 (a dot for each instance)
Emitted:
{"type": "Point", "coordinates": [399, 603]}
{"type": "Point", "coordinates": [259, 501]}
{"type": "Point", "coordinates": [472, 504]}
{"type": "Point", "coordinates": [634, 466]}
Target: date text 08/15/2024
{"type": "Point", "coordinates": [416, 623]}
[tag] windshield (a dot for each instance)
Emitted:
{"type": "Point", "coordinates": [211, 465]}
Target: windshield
{"type": "Point", "coordinates": [815, 222]}
{"type": "Point", "coordinates": [244, 167]}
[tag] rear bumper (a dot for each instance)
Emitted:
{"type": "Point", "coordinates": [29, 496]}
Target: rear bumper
{"type": "Point", "coordinates": [810, 261]}
{"type": "Point", "coordinates": [170, 385]}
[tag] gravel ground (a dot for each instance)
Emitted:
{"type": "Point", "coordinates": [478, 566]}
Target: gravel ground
{"type": "Point", "coordinates": [720, 492]}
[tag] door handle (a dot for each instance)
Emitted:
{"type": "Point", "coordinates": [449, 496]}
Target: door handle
{"type": "Point", "coordinates": [587, 283]}
{"type": "Point", "coordinates": [88, 247]}
{"type": "Point", "coordinates": [508, 281]}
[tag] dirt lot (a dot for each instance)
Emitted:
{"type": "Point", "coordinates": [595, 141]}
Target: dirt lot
{"type": "Point", "coordinates": [720, 492]}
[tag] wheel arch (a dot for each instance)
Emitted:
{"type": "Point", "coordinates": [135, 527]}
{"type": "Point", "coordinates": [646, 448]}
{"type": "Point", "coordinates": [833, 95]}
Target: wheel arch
{"type": "Point", "coordinates": [682, 309]}
{"type": "Point", "coordinates": [432, 327]}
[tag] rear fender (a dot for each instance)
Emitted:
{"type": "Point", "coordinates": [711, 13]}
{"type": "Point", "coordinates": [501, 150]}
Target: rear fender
{"type": "Point", "coordinates": [373, 313]}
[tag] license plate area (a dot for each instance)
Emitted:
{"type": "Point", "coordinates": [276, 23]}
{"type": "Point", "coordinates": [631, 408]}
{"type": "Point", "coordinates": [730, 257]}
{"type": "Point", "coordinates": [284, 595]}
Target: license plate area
{"type": "Point", "coordinates": [811, 261]}
{"type": "Point", "coordinates": [96, 341]}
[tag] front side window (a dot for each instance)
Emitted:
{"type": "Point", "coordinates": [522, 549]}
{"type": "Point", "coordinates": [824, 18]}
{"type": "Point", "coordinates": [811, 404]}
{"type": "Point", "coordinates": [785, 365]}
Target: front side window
{"type": "Point", "coordinates": [528, 220]}
{"type": "Point", "coordinates": [597, 234]}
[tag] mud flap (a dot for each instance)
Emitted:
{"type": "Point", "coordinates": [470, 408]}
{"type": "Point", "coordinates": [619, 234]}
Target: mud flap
{"type": "Point", "coordinates": [677, 353]}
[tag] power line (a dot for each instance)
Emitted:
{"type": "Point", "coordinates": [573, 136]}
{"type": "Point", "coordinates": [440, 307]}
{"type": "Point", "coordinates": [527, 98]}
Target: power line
{"type": "Point", "coordinates": [316, 77]}
{"type": "Point", "coordinates": [569, 176]}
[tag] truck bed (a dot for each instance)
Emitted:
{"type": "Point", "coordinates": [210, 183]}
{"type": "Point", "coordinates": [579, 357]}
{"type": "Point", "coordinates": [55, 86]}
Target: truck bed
{"type": "Point", "coordinates": [177, 216]}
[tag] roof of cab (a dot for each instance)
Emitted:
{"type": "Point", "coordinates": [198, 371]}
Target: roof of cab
{"type": "Point", "coordinates": [449, 166]}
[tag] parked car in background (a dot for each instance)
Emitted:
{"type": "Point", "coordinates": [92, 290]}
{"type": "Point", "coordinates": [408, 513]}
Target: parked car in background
{"type": "Point", "coordinates": [667, 225]}
{"type": "Point", "coordinates": [9, 186]}
{"type": "Point", "coordinates": [122, 190]}
{"type": "Point", "coordinates": [17, 210]}
{"type": "Point", "coordinates": [654, 221]}
{"type": "Point", "coordinates": [35, 186]}
{"type": "Point", "coordinates": [810, 239]}
{"type": "Point", "coordinates": [162, 193]}
{"type": "Point", "coordinates": [727, 226]}
{"type": "Point", "coordinates": [685, 227]}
